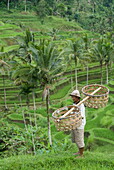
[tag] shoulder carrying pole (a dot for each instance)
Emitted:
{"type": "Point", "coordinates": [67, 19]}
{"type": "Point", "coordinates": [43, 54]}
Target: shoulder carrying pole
{"type": "Point", "coordinates": [80, 103]}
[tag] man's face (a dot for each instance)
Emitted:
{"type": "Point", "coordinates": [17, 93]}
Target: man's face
{"type": "Point", "coordinates": [75, 99]}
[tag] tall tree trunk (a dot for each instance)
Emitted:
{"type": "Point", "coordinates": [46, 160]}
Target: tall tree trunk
{"type": "Point", "coordinates": [87, 75]}
{"type": "Point", "coordinates": [33, 141]}
{"type": "Point", "coordinates": [71, 83]}
{"type": "Point", "coordinates": [25, 5]}
{"type": "Point", "coordinates": [76, 78]}
{"type": "Point", "coordinates": [5, 102]}
{"type": "Point", "coordinates": [20, 99]}
{"type": "Point", "coordinates": [8, 5]}
{"type": "Point", "coordinates": [71, 79]}
{"type": "Point", "coordinates": [48, 118]}
{"type": "Point", "coordinates": [107, 73]}
{"type": "Point", "coordinates": [27, 100]}
{"type": "Point", "coordinates": [23, 113]}
{"type": "Point", "coordinates": [101, 74]}
{"type": "Point", "coordinates": [33, 94]}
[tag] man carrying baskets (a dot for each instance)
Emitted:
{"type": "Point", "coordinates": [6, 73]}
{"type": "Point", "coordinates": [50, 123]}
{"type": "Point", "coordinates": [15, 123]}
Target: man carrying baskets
{"type": "Point", "coordinates": [78, 133]}
{"type": "Point", "coordinates": [74, 119]}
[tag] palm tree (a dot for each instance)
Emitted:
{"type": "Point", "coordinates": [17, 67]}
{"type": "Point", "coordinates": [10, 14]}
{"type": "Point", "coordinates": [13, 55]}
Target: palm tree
{"type": "Point", "coordinates": [86, 53]}
{"type": "Point", "coordinates": [109, 47]}
{"type": "Point", "coordinates": [48, 59]}
{"type": "Point", "coordinates": [102, 50]}
{"type": "Point", "coordinates": [23, 75]}
{"type": "Point", "coordinates": [42, 10]}
{"type": "Point", "coordinates": [74, 49]}
{"type": "Point", "coordinates": [68, 61]}
{"type": "Point", "coordinates": [22, 69]}
{"type": "Point", "coordinates": [45, 64]}
{"type": "Point", "coordinates": [99, 52]}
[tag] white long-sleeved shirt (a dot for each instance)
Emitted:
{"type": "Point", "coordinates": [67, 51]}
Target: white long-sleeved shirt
{"type": "Point", "coordinates": [82, 110]}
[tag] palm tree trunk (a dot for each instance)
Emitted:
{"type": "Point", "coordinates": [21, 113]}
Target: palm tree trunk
{"type": "Point", "coordinates": [20, 99]}
{"type": "Point", "coordinates": [87, 75]}
{"type": "Point", "coordinates": [34, 102]}
{"type": "Point", "coordinates": [76, 78]}
{"type": "Point", "coordinates": [8, 5]}
{"type": "Point", "coordinates": [48, 118]}
{"type": "Point", "coordinates": [101, 74]}
{"type": "Point", "coordinates": [23, 113]}
{"type": "Point", "coordinates": [33, 94]}
{"type": "Point", "coordinates": [71, 79]}
{"type": "Point", "coordinates": [71, 83]}
{"type": "Point", "coordinates": [107, 73]}
{"type": "Point", "coordinates": [25, 5]}
{"type": "Point", "coordinates": [5, 102]}
{"type": "Point", "coordinates": [27, 100]}
{"type": "Point", "coordinates": [33, 141]}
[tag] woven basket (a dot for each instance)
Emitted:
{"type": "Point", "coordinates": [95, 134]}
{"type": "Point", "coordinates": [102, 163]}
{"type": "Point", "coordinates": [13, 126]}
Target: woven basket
{"type": "Point", "coordinates": [98, 100]}
{"type": "Point", "coordinates": [72, 121]}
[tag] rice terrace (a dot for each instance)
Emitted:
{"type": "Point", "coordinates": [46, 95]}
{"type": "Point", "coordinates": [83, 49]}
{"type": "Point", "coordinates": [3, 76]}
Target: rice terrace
{"type": "Point", "coordinates": [56, 85]}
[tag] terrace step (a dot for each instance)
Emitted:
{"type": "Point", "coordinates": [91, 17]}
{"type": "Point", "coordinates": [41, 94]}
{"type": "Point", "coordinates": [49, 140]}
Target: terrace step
{"type": "Point", "coordinates": [12, 95]}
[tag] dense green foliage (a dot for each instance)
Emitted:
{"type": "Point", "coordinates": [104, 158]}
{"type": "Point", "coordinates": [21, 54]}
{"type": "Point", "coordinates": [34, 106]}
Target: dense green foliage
{"type": "Point", "coordinates": [43, 46]}
{"type": "Point", "coordinates": [93, 15]}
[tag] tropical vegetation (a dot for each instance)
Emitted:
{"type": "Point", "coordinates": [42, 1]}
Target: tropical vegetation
{"type": "Point", "coordinates": [47, 49]}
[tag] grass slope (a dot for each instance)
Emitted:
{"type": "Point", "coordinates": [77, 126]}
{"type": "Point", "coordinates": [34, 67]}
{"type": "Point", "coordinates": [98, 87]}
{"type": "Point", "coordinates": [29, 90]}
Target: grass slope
{"type": "Point", "coordinates": [15, 24]}
{"type": "Point", "coordinates": [61, 161]}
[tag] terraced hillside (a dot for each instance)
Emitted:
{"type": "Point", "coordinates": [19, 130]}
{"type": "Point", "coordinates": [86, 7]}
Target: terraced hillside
{"type": "Point", "coordinates": [13, 25]}
{"type": "Point", "coordinates": [58, 90]}
{"type": "Point", "coordinates": [24, 130]}
{"type": "Point", "coordinates": [97, 120]}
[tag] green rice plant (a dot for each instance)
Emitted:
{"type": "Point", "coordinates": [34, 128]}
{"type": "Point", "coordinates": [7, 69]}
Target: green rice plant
{"type": "Point", "coordinates": [40, 111]}
{"type": "Point", "coordinates": [111, 82]}
{"type": "Point", "coordinates": [15, 116]}
{"type": "Point", "coordinates": [106, 121]}
{"type": "Point", "coordinates": [61, 161]}
{"type": "Point", "coordinates": [61, 93]}
{"type": "Point", "coordinates": [102, 141]}
{"type": "Point", "coordinates": [105, 149]}
{"type": "Point", "coordinates": [60, 135]}
{"type": "Point", "coordinates": [109, 112]}
{"type": "Point", "coordinates": [104, 133]}
{"type": "Point", "coordinates": [12, 47]}
{"type": "Point", "coordinates": [42, 121]}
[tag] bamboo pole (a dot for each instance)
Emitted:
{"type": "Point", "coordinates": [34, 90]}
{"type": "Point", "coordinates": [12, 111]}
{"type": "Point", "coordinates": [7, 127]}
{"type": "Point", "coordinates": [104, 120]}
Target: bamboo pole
{"type": "Point", "coordinates": [80, 103]}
